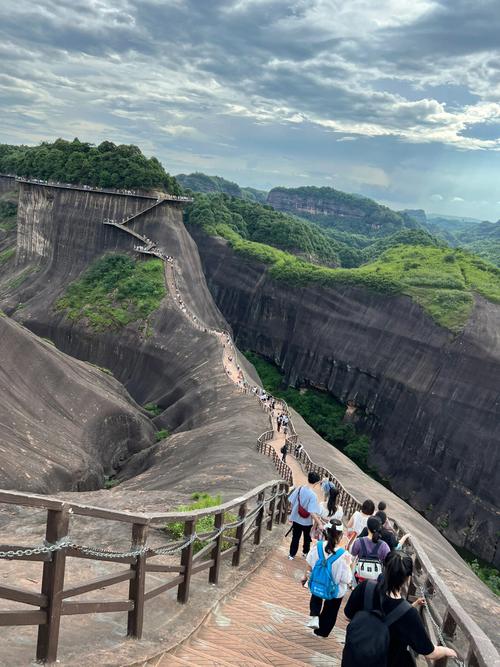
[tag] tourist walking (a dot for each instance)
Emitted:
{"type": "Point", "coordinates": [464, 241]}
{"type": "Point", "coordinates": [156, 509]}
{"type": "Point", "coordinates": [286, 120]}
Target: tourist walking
{"type": "Point", "coordinates": [305, 509]}
{"type": "Point", "coordinates": [283, 451]}
{"type": "Point", "coordinates": [330, 510]}
{"type": "Point", "coordinates": [328, 574]}
{"type": "Point", "coordinates": [358, 521]}
{"type": "Point", "coordinates": [371, 552]}
{"type": "Point", "coordinates": [383, 641]}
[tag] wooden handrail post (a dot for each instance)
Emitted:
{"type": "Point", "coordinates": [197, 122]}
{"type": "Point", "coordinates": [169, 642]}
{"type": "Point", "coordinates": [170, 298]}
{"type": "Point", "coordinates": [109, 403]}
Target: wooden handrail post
{"type": "Point", "coordinates": [52, 587]}
{"type": "Point", "coordinates": [186, 562]}
{"type": "Point", "coordinates": [272, 505]}
{"type": "Point", "coordinates": [137, 584]}
{"type": "Point", "coordinates": [258, 519]}
{"type": "Point", "coordinates": [239, 535]}
{"type": "Point", "coordinates": [283, 505]}
{"type": "Point", "coordinates": [213, 573]}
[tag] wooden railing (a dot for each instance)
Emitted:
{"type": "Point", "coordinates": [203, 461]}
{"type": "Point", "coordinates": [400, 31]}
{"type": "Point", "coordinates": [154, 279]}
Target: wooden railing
{"type": "Point", "coordinates": [444, 618]}
{"type": "Point", "coordinates": [235, 523]}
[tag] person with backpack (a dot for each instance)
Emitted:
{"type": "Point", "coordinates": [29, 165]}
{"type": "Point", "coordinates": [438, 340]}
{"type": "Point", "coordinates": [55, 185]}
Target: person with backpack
{"type": "Point", "coordinates": [383, 625]}
{"type": "Point", "coordinates": [328, 574]}
{"type": "Point", "coordinates": [283, 451]}
{"type": "Point", "coordinates": [358, 521]}
{"type": "Point", "coordinates": [371, 552]}
{"type": "Point", "coordinates": [305, 509]}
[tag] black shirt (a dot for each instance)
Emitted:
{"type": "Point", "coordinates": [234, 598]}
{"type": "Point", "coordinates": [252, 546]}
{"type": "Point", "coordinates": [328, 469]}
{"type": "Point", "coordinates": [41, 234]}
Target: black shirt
{"type": "Point", "coordinates": [386, 535]}
{"type": "Point", "coordinates": [407, 631]}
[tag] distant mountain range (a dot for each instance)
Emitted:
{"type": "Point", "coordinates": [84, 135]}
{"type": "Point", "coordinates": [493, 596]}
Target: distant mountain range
{"type": "Point", "coordinates": [354, 222]}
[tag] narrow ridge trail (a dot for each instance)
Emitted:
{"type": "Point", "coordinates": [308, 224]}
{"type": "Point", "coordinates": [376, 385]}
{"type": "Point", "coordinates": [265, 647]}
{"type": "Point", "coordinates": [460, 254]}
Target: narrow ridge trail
{"type": "Point", "coordinates": [263, 621]}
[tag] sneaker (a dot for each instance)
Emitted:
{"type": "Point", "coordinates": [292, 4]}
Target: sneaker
{"type": "Point", "coordinates": [291, 557]}
{"type": "Point", "coordinates": [313, 622]}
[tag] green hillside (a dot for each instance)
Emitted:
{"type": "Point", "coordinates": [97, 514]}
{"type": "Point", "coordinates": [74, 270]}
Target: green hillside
{"type": "Point", "coordinates": [106, 165]}
{"type": "Point", "coordinates": [331, 208]}
{"type": "Point", "coordinates": [199, 182]}
{"type": "Point", "coordinates": [481, 238]}
{"type": "Point", "coordinates": [440, 279]}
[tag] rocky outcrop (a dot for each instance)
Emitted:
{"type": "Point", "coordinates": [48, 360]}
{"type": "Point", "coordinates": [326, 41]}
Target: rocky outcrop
{"type": "Point", "coordinates": [177, 366]}
{"type": "Point", "coordinates": [65, 424]}
{"type": "Point", "coordinates": [429, 399]}
{"type": "Point", "coordinates": [283, 199]}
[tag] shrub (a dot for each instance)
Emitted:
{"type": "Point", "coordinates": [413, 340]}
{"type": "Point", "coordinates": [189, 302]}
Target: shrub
{"type": "Point", "coordinates": [161, 434]}
{"type": "Point", "coordinates": [110, 483]}
{"type": "Point", "coordinates": [203, 525]}
{"type": "Point", "coordinates": [153, 409]}
{"type": "Point", "coordinates": [115, 291]}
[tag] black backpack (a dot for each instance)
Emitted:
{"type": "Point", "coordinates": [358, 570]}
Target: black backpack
{"type": "Point", "coordinates": [283, 449]}
{"type": "Point", "coordinates": [367, 635]}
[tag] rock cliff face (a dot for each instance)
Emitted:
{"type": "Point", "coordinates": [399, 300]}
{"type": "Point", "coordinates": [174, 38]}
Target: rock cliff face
{"type": "Point", "coordinates": [287, 200]}
{"type": "Point", "coordinates": [65, 424]}
{"type": "Point", "coordinates": [213, 446]}
{"type": "Point", "coordinates": [430, 400]}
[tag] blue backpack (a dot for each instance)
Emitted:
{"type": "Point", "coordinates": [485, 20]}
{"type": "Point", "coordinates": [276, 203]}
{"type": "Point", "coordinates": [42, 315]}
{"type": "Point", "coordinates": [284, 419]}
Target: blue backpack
{"type": "Point", "coordinates": [321, 583]}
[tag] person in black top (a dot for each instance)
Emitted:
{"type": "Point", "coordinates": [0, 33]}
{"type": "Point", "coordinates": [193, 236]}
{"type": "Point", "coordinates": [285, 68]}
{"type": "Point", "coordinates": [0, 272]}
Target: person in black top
{"type": "Point", "coordinates": [407, 631]}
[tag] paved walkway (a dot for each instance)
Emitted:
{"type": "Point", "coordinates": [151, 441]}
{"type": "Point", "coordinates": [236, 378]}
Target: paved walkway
{"type": "Point", "coordinates": [263, 622]}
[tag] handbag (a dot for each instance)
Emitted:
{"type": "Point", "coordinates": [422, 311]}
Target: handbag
{"type": "Point", "coordinates": [302, 510]}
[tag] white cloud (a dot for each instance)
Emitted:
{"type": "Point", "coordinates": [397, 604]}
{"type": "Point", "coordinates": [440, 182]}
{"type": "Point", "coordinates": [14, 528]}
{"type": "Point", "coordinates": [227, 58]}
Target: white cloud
{"type": "Point", "coordinates": [436, 197]}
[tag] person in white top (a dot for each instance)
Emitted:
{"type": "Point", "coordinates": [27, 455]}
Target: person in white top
{"type": "Point", "coordinates": [329, 511]}
{"type": "Point", "coordinates": [323, 613]}
{"type": "Point", "coordinates": [358, 521]}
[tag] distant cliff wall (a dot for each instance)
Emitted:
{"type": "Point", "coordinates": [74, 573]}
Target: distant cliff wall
{"type": "Point", "coordinates": [430, 400]}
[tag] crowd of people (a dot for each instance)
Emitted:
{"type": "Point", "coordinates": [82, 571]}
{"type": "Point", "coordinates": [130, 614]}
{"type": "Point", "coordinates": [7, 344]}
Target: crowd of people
{"type": "Point", "coordinates": [366, 558]}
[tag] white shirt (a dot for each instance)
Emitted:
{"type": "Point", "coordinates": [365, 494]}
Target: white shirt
{"type": "Point", "coordinates": [324, 512]}
{"type": "Point", "coordinates": [359, 522]}
{"type": "Point", "coordinates": [341, 572]}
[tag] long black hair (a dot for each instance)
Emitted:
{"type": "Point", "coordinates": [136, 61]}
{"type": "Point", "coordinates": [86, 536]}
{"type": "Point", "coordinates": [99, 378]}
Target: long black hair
{"type": "Point", "coordinates": [398, 566]}
{"type": "Point", "coordinates": [373, 524]}
{"type": "Point", "coordinates": [332, 500]}
{"type": "Point", "coordinates": [332, 536]}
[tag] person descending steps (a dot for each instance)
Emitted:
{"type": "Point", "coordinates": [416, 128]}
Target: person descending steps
{"type": "Point", "coordinates": [305, 510]}
{"type": "Point", "coordinates": [327, 576]}
{"type": "Point", "coordinates": [384, 625]}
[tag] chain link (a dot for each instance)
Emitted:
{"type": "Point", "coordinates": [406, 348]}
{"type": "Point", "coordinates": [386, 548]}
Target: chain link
{"type": "Point", "coordinates": [166, 550]}
{"type": "Point", "coordinates": [437, 628]}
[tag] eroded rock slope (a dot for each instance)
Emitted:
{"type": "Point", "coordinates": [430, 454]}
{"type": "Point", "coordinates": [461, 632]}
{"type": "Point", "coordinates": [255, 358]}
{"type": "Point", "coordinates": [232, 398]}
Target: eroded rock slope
{"type": "Point", "coordinates": [429, 399]}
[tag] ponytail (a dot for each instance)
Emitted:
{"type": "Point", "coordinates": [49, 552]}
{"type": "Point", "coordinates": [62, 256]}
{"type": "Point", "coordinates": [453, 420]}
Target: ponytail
{"type": "Point", "coordinates": [332, 500]}
{"type": "Point", "coordinates": [374, 526]}
{"type": "Point", "coordinates": [333, 535]}
{"type": "Point", "coordinates": [398, 566]}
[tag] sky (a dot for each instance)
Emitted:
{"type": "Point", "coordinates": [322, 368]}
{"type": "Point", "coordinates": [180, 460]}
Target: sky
{"type": "Point", "coordinates": [398, 100]}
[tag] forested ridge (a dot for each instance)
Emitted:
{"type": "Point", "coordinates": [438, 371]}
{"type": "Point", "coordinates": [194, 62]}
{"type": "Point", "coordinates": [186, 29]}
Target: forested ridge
{"type": "Point", "coordinates": [107, 165]}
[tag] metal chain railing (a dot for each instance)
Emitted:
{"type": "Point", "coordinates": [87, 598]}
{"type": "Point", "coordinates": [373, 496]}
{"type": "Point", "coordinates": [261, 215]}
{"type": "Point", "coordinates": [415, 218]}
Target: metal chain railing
{"type": "Point", "coordinates": [436, 626]}
{"type": "Point", "coordinates": [166, 550]}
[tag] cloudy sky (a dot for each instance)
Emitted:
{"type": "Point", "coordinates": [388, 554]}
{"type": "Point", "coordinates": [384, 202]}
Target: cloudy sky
{"type": "Point", "coordinates": [395, 99]}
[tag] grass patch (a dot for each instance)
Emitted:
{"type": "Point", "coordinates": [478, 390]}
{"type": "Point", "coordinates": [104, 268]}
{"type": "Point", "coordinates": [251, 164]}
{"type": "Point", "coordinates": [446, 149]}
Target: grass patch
{"type": "Point", "coordinates": [17, 282]}
{"type": "Point", "coordinates": [153, 409]}
{"type": "Point", "coordinates": [161, 434]}
{"type": "Point", "coordinates": [6, 255]}
{"type": "Point", "coordinates": [115, 291]}
{"type": "Point", "coordinates": [203, 525]}
{"type": "Point", "coordinates": [110, 483]}
{"type": "Point", "coordinates": [320, 410]}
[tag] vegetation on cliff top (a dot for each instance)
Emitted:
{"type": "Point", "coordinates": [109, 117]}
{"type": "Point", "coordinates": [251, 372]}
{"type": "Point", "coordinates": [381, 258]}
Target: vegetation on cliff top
{"type": "Point", "coordinates": [442, 280]}
{"type": "Point", "coordinates": [262, 224]}
{"type": "Point", "coordinates": [199, 182]}
{"type": "Point", "coordinates": [329, 207]}
{"type": "Point", "coordinates": [320, 410]}
{"type": "Point", "coordinates": [105, 166]}
{"type": "Point", "coordinates": [114, 291]}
